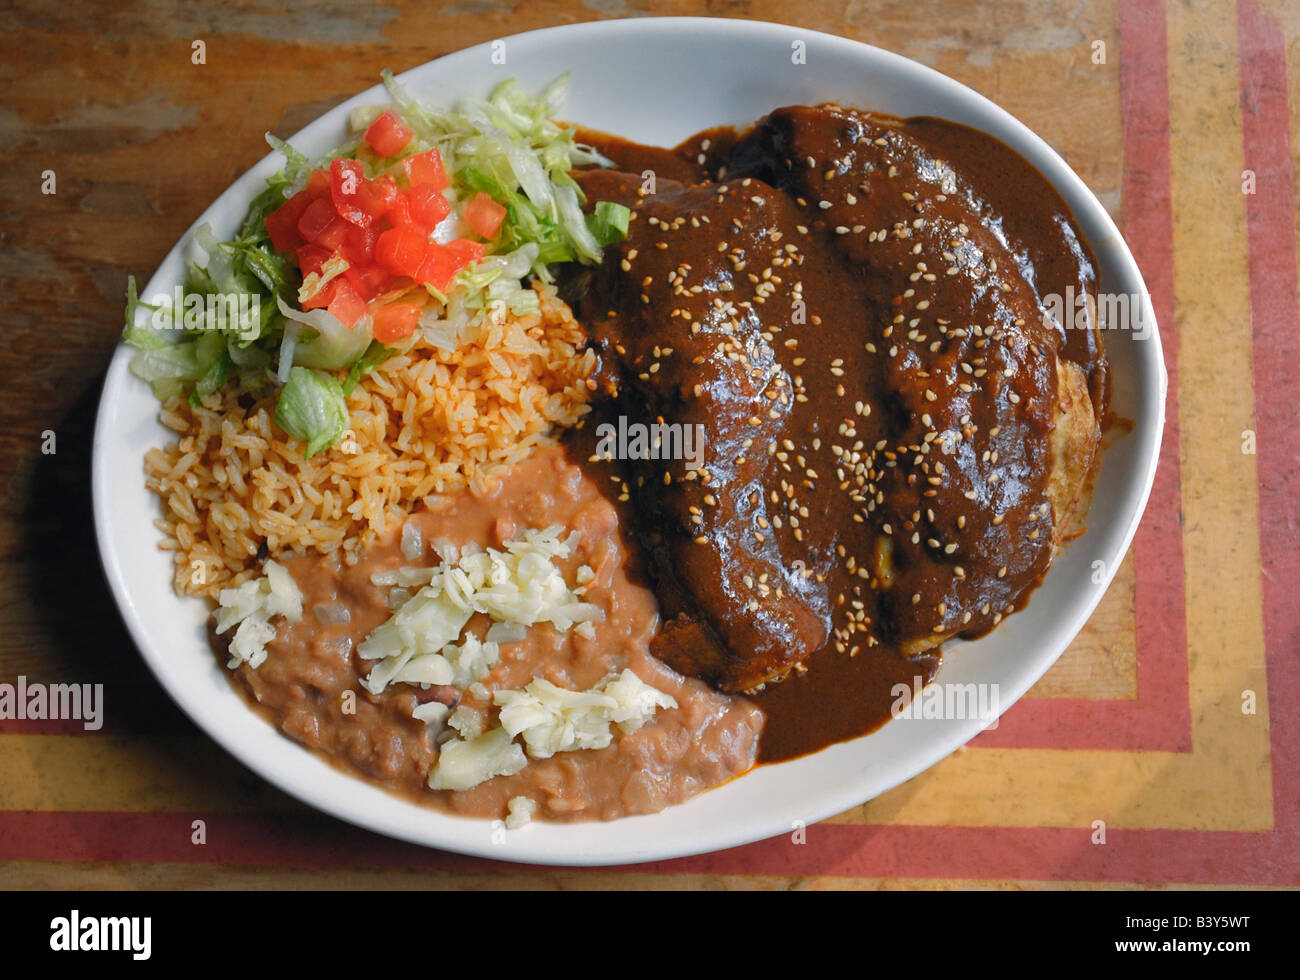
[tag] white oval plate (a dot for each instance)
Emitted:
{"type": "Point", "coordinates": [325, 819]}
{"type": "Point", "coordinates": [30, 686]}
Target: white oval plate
{"type": "Point", "coordinates": [656, 81]}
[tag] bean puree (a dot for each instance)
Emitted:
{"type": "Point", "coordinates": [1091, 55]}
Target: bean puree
{"type": "Point", "coordinates": [309, 684]}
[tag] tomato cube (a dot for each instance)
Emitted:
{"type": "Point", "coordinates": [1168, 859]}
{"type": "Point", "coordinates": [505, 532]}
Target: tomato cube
{"type": "Point", "coordinates": [393, 321]}
{"type": "Point", "coordinates": [400, 216]}
{"type": "Point", "coordinates": [388, 134]}
{"type": "Point", "coordinates": [484, 215]}
{"type": "Point", "coordinates": [359, 245]}
{"type": "Point", "coordinates": [345, 304]}
{"type": "Point", "coordinates": [443, 262]}
{"type": "Point", "coordinates": [346, 181]}
{"type": "Point", "coordinates": [311, 258]}
{"type": "Point", "coordinates": [324, 296]}
{"type": "Point", "coordinates": [428, 206]}
{"type": "Point", "coordinates": [368, 281]}
{"type": "Point", "coordinates": [466, 250]}
{"type": "Point", "coordinates": [333, 235]}
{"type": "Point", "coordinates": [426, 168]}
{"type": "Point", "coordinates": [282, 223]}
{"type": "Point", "coordinates": [321, 225]}
{"type": "Point", "coordinates": [402, 250]}
{"type": "Point", "coordinates": [377, 196]}
{"type": "Point", "coordinates": [318, 184]}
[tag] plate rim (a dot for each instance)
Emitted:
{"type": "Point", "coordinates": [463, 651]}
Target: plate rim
{"type": "Point", "coordinates": [519, 850]}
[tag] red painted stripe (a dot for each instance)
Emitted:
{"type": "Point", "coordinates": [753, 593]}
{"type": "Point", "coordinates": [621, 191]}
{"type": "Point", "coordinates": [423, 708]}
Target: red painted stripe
{"type": "Point", "coordinates": [1150, 857]}
{"type": "Point", "coordinates": [1160, 608]}
{"type": "Point", "coordinates": [1156, 722]}
{"type": "Point", "coordinates": [1160, 718]}
{"type": "Point", "coordinates": [309, 841]}
{"type": "Point", "coordinates": [1275, 325]}
{"type": "Point", "coordinates": [292, 840]}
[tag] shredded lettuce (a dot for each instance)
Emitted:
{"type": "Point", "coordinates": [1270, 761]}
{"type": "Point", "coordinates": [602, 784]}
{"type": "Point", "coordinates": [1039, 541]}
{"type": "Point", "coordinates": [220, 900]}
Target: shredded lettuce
{"type": "Point", "coordinates": [331, 345]}
{"type": "Point", "coordinates": [177, 362]}
{"type": "Point", "coordinates": [374, 356]}
{"type": "Point", "coordinates": [312, 408]}
{"type": "Point", "coordinates": [608, 222]}
{"type": "Point", "coordinates": [142, 337]}
{"type": "Point", "coordinates": [506, 145]}
{"type": "Point", "coordinates": [214, 362]}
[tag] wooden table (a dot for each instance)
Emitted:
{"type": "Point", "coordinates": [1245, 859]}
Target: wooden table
{"type": "Point", "coordinates": [1140, 725]}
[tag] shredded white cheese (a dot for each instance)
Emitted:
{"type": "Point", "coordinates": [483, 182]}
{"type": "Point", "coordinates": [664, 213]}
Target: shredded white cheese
{"type": "Point", "coordinates": [519, 811]}
{"type": "Point", "coordinates": [521, 586]}
{"type": "Point", "coordinates": [552, 719]}
{"type": "Point", "coordinates": [468, 721]}
{"type": "Point", "coordinates": [432, 713]}
{"type": "Point", "coordinates": [463, 765]}
{"type": "Point", "coordinates": [253, 605]}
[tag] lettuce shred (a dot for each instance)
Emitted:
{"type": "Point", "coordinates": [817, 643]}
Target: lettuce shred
{"type": "Point", "coordinates": [506, 145]}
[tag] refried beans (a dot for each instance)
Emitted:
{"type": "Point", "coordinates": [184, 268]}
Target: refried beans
{"type": "Point", "coordinates": [309, 685]}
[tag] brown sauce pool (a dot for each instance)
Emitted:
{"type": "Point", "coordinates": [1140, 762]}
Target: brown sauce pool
{"type": "Point", "coordinates": [865, 199]}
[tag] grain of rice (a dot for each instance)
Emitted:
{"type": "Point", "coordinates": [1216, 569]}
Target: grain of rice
{"type": "Point", "coordinates": [423, 424]}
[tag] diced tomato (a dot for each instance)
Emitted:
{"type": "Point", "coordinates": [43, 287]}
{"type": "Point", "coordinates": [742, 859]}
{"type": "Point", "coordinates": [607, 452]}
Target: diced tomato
{"type": "Point", "coordinates": [393, 321]}
{"type": "Point", "coordinates": [318, 184]}
{"type": "Point", "coordinates": [484, 215]}
{"type": "Point", "coordinates": [428, 206]}
{"type": "Point", "coordinates": [467, 251]}
{"type": "Point", "coordinates": [388, 135]}
{"type": "Point", "coordinates": [282, 223]}
{"type": "Point", "coordinates": [377, 196]}
{"type": "Point", "coordinates": [359, 245]}
{"type": "Point", "coordinates": [333, 235]}
{"type": "Point", "coordinates": [346, 180]}
{"type": "Point", "coordinates": [311, 258]}
{"type": "Point", "coordinates": [399, 214]}
{"type": "Point", "coordinates": [345, 304]}
{"type": "Point", "coordinates": [443, 261]}
{"type": "Point", "coordinates": [440, 265]}
{"type": "Point", "coordinates": [426, 168]}
{"type": "Point", "coordinates": [402, 250]}
{"type": "Point", "coordinates": [368, 281]}
{"type": "Point", "coordinates": [324, 296]}
{"type": "Point", "coordinates": [319, 216]}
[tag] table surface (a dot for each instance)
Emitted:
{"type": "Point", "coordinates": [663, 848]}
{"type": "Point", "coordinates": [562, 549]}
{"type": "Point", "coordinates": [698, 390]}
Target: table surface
{"type": "Point", "coordinates": [1171, 722]}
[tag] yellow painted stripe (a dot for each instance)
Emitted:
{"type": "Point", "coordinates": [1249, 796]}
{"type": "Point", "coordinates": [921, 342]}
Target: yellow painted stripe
{"type": "Point", "coordinates": [989, 787]}
{"type": "Point", "coordinates": [1225, 629]}
{"type": "Point", "coordinates": [1071, 788]}
{"type": "Point", "coordinates": [128, 773]}
{"type": "Point", "coordinates": [1101, 663]}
